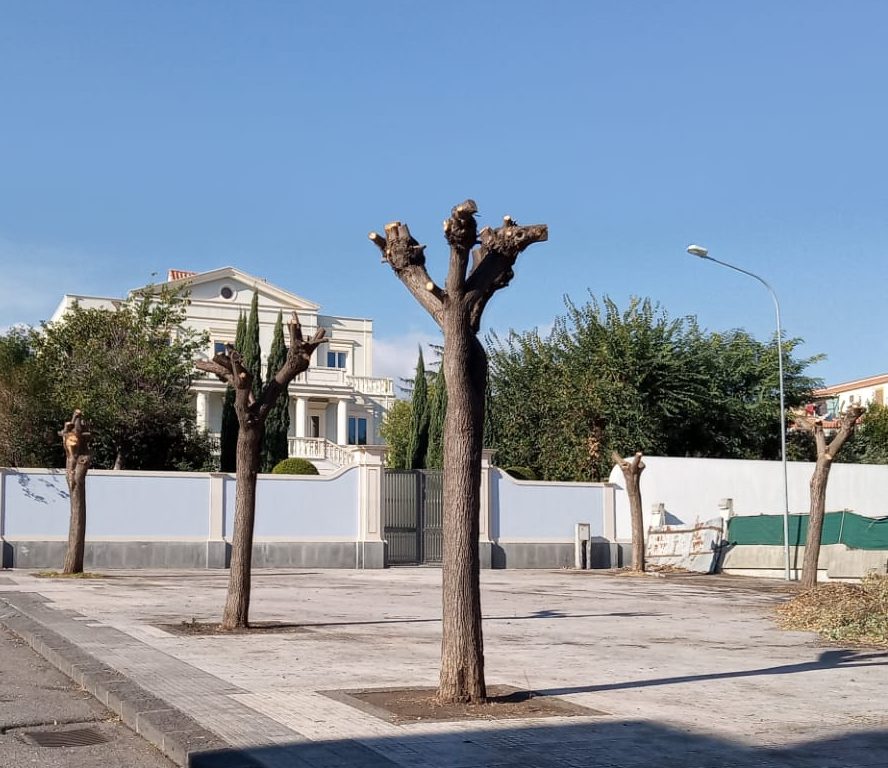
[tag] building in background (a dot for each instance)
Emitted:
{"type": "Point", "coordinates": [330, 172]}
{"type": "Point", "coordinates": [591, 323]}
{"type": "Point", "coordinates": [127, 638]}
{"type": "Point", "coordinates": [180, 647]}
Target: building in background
{"type": "Point", "coordinates": [335, 404]}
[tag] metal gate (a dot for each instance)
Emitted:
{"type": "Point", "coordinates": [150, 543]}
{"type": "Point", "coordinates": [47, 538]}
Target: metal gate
{"type": "Point", "coordinates": [412, 514]}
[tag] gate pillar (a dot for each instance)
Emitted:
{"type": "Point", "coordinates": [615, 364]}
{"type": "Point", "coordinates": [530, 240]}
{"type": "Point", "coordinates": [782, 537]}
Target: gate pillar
{"type": "Point", "coordinates": [370, 547]}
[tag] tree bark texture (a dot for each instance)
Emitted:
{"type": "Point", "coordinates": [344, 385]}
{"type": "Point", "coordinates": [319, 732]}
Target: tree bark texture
{"type": "Point", "coordinates": [632, 476]}
{"type": "Point", "coordinates": [75, 440]}
{"type": "Point", "coordinates": [826, 452]}
{"type": "Point", "coordinates": [252, 412]}
{"type": "Point", "coordinates": [457, 308]}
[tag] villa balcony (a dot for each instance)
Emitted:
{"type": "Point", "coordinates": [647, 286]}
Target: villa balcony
{"type": "Point", "coordinates": [337, 377]}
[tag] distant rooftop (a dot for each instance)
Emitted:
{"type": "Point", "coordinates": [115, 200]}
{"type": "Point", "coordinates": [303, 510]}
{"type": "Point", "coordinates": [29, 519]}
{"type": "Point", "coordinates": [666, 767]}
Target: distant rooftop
{"type": "Point", "coordinates": [836, 389]}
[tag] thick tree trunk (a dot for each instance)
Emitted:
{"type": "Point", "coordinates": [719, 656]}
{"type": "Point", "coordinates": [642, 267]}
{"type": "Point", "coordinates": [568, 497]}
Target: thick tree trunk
{"type": "Point", "coordinates": [632, 476]}
{"type": "Point", "coordinates": [75, 471]}
{"type": "Point", "coordinates": [237, 604]}
{"type": "Point", "coordinates": [75, 440]}
{"type": "Point", "coordinates": [462, 646]}
{"type": "Point", "coordinates": [816, 514]}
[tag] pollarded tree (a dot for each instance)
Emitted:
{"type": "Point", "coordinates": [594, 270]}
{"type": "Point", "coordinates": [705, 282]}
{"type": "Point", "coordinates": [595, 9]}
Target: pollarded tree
{"type": "Point", "coordinates": [228, 435]}
{"type": "Point", "coordinates": [75, 442]}
{"type": "Point", "coordinates": [252, 412]}
{"type": "Point", "coordinates": [419, 422]}
{"type": "Point", "coordinates": [474, 275]}
{"type": "Point", "coordinates": [826, 454]}
{"type": "Point", "coordinates": [632, 476]}
{"type": "Point", "coordinates": [275, 446]}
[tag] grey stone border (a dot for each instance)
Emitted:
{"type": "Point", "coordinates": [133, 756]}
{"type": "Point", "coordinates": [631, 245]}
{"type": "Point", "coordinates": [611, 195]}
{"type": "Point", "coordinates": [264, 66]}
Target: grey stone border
{"type": "Point", "coordinates": [174, 733]}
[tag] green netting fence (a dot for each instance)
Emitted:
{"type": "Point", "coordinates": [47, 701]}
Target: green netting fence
{"type": "Point", "coordinates": [854, 531]}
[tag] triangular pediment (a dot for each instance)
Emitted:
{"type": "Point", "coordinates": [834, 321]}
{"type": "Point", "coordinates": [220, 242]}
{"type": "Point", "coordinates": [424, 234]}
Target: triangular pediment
{"type": "Point", "coordinates": [232, 285]}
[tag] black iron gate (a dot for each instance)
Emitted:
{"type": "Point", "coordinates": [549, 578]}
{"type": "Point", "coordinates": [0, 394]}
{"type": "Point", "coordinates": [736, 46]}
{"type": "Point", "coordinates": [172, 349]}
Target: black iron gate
{"type": "Point", "coordinates": [412, 516]}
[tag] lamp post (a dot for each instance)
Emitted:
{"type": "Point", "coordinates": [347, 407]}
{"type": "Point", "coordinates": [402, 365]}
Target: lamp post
{"type": "Point", "coordinates": [703, 253]}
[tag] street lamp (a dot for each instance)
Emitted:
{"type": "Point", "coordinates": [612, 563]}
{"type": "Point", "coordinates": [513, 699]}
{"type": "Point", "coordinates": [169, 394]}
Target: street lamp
{"type": "Point", "coordinates": [703, 253]}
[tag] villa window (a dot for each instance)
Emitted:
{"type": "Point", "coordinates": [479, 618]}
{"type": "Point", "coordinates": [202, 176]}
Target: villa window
{"type": "Point", "coordinates": [337, 359]}
{"type": "Point", "coordinates": [357, 431]}
{"type": "Point", "coordinates": [219, 347]}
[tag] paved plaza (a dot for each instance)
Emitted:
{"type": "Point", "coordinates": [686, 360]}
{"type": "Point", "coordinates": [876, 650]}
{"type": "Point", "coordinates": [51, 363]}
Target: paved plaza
{"type": "Point", "coordinates": [686, 671]}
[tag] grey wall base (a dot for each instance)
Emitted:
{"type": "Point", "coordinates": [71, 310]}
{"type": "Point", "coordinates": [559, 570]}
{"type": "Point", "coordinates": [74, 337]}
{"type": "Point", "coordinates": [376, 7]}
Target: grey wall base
{"type": "Point", "coordinates": [195, 554]}
{"type": "Point", "coordinates": [603, 554]}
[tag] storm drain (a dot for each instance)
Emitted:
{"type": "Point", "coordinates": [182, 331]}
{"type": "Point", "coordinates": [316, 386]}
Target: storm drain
{"type": "Point", "coordinates": [80, 737]}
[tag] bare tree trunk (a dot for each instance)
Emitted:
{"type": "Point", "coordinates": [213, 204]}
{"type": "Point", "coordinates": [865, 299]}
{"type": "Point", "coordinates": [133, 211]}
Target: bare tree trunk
{"type": "Point", "coordinates": [75, 441]}
{"type": "Point", "coordinates": [237, 602]}
{"type": "Point", "coordinates": [457, 308]}
{"type": "Point", "coordinates": [826, 452]}
{"type": "Point", "coordinates": [632, 475]}
{"type": "Point", "coordinates": [462, 646]}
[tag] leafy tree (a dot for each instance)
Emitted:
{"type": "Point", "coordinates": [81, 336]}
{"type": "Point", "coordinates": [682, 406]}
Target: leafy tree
{"type": "Point", "coordinates": [252, 413]}
{"type": "Point", "coordinates": [438, 412]}
{"type": "Point", "coordinates": [870, 445]}
{"type": "Point", "coordinates": [395, 430]}
{"type": "Point", "coordinates": [457, 308]}
{"type": "Point", "coordinates": [608, 380]}
{"type": "Point", "coordinates": [228, 435]}
{"type": "Point", "coordinates": [129, 370]}
{"type": "Point", "coordinates": [275, 445]}
{"type": "Point", "coordinates": [419, 425]}
{"type": "Point", "coordinates": [27, 429]}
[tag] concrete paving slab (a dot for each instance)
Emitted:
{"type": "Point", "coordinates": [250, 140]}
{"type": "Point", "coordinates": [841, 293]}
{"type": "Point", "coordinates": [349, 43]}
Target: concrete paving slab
{"type": "Point", "coordinates": [689, 672]}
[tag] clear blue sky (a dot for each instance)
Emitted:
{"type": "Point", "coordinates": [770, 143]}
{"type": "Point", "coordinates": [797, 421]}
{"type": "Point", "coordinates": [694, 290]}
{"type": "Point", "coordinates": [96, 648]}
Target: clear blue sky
{"type": "Point", "coordinates": [272, 136]}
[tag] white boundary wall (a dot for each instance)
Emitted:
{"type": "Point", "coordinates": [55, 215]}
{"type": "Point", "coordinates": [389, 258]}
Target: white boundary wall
{"type": "Point", "coordinates": [691, 489]}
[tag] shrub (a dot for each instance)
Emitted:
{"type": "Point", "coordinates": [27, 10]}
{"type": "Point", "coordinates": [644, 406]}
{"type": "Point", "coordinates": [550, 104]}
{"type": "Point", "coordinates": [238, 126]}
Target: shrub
{"type": "Point", "coordinates": [521, 473]}
{"type": "Point", "coordinates": [294, 467]}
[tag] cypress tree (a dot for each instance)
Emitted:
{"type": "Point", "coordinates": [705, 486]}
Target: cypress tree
{"type": "Point", "coordinates": [251, 352]}
{"type": "Point", "coordinates": [435, 453]}
{"type": "Point", "coordinates": [274, 444]}
{"type": "Point", "coordinates": [419, 423]}
{"type": "Point", "coordinates": [228, 437]}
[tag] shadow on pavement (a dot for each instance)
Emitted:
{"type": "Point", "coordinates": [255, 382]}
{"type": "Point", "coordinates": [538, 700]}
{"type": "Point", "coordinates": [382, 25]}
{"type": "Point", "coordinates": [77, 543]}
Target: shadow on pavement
{"type": "Point", "coordinates": [609, 744]}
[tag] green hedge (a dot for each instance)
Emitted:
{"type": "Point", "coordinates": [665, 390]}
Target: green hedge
{"type": "Point", "coordinates": [294, 467]}
{"type": "Point", "coordinates": [521, 473]}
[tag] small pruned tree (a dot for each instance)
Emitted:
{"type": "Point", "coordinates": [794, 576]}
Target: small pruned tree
{"type": "Point", "coordinates": [632, 470]}
{"type": "Point", "coordinates": [474, 275]}
{"type": "Point", "coordinates": [75, 441]}
{"type": "Point", "coordinates": [827, 450]}
{"type": "Point", "coordinates": [252, 412]}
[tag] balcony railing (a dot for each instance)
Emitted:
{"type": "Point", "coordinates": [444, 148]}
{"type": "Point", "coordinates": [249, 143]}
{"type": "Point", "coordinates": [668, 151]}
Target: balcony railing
{"type": "Point", "coordinates": [337, 377]}
{"type": "Point", "coordinates": [368, 385]}
{"type": "Point", "coordinates": [319, 448]}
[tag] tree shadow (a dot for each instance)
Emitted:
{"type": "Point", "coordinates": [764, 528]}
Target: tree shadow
{"type": "Point", "coordinates": [30, 485]}
{"type": "Point", "coordinates": [833, 659]}
{"type": "Point", "coordinates": [604, 743]}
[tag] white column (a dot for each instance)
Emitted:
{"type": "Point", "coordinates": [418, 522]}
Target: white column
{"type": "Point", "coordinates": [342, 421]}
{"type": "Point", "coordinates": [486, 522]}
{"type": "Point", "coordinates": [202, 410]}
{"type": "Point", "coordinates": [301, 416]}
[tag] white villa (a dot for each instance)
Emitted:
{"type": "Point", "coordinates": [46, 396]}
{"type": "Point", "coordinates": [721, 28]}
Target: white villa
{"type": "Point", "coordinates": [335, 404]}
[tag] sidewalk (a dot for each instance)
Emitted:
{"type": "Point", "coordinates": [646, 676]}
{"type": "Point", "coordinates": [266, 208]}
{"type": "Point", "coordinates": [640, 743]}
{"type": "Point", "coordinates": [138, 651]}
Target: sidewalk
{"type": "Point", "coordinates": [689, 672]}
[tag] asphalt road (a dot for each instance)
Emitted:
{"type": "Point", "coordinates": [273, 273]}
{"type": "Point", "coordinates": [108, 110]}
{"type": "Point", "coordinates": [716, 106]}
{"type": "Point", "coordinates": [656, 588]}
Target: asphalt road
{"type": "Point", "coordinates": [34, 696]}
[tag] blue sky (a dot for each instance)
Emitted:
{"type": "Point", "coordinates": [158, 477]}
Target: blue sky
{"type": "Point", "coordinates": [273, 136]}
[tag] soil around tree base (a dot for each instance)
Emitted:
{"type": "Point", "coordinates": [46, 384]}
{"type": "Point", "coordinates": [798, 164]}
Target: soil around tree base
{"type": "Point", "coordinates": [403, 706]}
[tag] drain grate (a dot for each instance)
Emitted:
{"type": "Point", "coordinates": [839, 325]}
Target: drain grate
{"type": "Point", "coordinates": [80, 737]}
